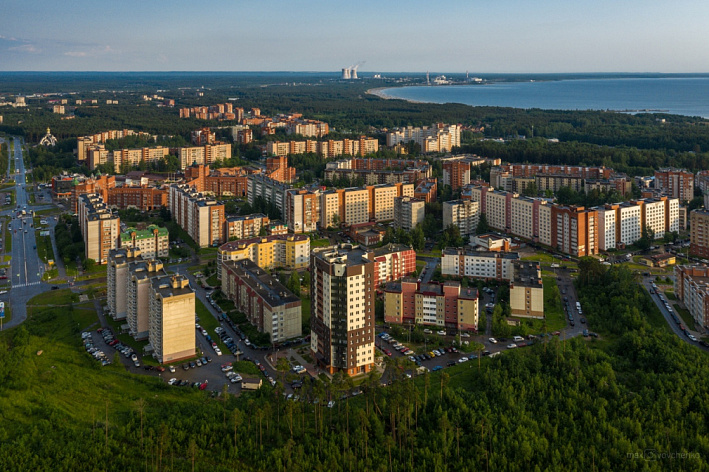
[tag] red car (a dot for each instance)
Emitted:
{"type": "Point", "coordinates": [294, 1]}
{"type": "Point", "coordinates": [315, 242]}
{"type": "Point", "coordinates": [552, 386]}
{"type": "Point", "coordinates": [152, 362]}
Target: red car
{"type": "Point", "coordinates": [203, 386]}
{"type": "Point", "coordinates": [556, 333]}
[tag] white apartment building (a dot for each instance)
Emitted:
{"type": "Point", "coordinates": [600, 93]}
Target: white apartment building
{"type": "Point", "coordinates": [522, 217]}
{"type": "Point", "coordinates": [465, 214]}
{"type": "Point", "coordinates": [408, 212]}
{"type": "Point", "coordinates": [357, 206]}
{"type": "Point", "coordinates": [606, 227]}
{"type": "Point", "coordinates": [629, 222]}
{"type": "Point", "coordinates": [496, 209]}
{"type": "Point", "coordinates": [466, 262]}
{"type": "Point", "coordinates": [653, 214]}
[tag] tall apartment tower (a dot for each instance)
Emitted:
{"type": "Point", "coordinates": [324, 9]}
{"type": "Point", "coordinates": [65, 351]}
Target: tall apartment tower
{"type": "Point", "coordinates": [172, 318]}
{"type": "Point", "coordinates": [138, 295]}
{"type": "Point", "coordinates": [342, 312]}
{"type": "Point", "coordinates": [117, 277]}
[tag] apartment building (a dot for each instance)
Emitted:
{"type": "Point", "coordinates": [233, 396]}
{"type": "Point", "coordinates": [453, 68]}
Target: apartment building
{"type": "Point", "coordinates": [143, 198]}
{"type": "Point", "coordinates": [488, 265]}
{"type": "Point", "coordinates": [342, 309]}
{"type": "Point", "coordinates": [84, 143]}
{"type": "Point", "coordinates": [328, 149]}
{"type": "Point", "coordinates": [270, 190]}
{"type": "Point", "coordinates": [129, 158]}
{"type": "Point", "coordinates": [289, 251]}
{"type": "Point", "coordinates": [392, 262]}
{"type": "Point", "coordinates": [358, 205]}
{"type": "Point", "coordinates": [427, 190]}
{"type": "Point", "coordinates": [456, 173]}
{"type": "Point", "coordinates": [692, 289]}
{"type": "Point", "coordinates": [524, 217]}
{"type": "Point", "coordinates": [527, 291]}
{"type": "Point", "coordinates": [203, 155]}
{"type": "Point", "coordinates": [498, 209]}
{"type": "Point", "coordinates": [152, 242]}
{"type": "Point", "coordinates": [226, 181]}
{"type": "Point", "coordinates": [268, 305]}
{"type": "Point", "coordinates": [554, 182]}
{"type": "Point", "coordinates": [444, 305]}
{"type": "Point", "coordinates": [464, 214]}
{"type": "Point", "coordinates": [117, 276]}
{"type": "Point", "coordinates": [172, 319]}
{"type": "Point", "coordinates": [436, 138]}
{"type": "Point", "coordinates": [653, 216]}
{"type": "Point", "coordinates": [699, 233]}
{"type": "Point", "coordinates": [574, 230]}
{"type": "Point", "coordinates": [139, 292]}
{"type": "Point", "coordinates": [408, 212]}
{"type": "Point", "coordinates": [99, 227]}
{"type": "Point", "coordinates": [623, 223]}
{"type": "Point", "coordinates": [607, 226]}
{"type": "Point", "coordinates": [302, 210]}
{"type": "Point", "coordinates": [200, 216]}
{"type": "Point", "coordinates": [675, 183]}
{"type": "Point", "coordinates": [277, 169]}
{"type": "Point", "coordinates": [702, 181]}
{"type": "Point", "coordinates": [381, 200]}
{"type": "Point", "coordinates": [245, 226]}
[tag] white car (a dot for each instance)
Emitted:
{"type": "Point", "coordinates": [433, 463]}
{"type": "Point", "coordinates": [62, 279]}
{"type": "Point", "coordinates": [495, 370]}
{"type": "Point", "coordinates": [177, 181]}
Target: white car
{"type": "Point", "coordinates": [427, 331]}
{"type": "Point", "coordinates": [463, 359]}
{"type": "Point", "coordinates": [493, 340]}
{"type": "Point", "coordinates": [172, 381]}
{"type": "Point", "coordinates": [511, 346]}
{"type": "Point", "coordinates": [171, 369]}
{"type": "Point", "coordinates": [331, 403]}
{"type": "Point", "coordinates": [692, 337]}
{"type": "Point", "coordinates": [464, 335]}
{"type": "Point", "coordinates": [442, 332]}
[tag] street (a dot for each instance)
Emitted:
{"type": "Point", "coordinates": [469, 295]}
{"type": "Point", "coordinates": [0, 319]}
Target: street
{"type": "Point", "coordinates": [26, 268]}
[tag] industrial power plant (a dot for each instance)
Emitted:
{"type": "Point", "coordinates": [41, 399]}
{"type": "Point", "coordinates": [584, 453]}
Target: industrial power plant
{"type": "Point", "coordinates": [350, 73]}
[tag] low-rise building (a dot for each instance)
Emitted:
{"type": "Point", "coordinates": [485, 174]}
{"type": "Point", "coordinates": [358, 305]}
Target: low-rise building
{"type": "Point", "coordinates": [445, 305]}
{"type": "Point", "coordinates": [527, 290]}
{"type": "Point", "coordinates": [492, 242]}
{"type": "Point", "coordinates": [268, 305]}
{"type": "Point", "coordinates": [466, 262]}
{"type": "Point", "coordinates": [153, 241]}
{"type": "Point", "coordinates": [289, 251]}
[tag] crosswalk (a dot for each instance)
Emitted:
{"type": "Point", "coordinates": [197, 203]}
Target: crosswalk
{"type": "Point", "coordinates": [26, 285]}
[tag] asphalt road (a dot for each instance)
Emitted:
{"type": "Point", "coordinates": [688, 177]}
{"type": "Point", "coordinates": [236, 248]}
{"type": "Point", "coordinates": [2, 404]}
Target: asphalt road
{"type": "Point", "coordinates": [27, 269]}
{"type": "Point", "coordinates": [647, 284]}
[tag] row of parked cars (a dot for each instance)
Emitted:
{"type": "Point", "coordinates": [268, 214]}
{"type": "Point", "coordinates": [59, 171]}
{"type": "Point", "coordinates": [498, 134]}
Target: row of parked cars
{"type": "Point", "coordinates": [209, 339]}
{"type": "Point", "coordinates": [226, 339]}
{"type": "Point", "coordinates": [112, 341]}
{"type": "Point", "coordinates": [196, 363]}
{"type": "Point", "coordinates": [676, 318]}
{"type": "Point", "coordinates": [97, 354]}
{"type": "Point", "coordinates": [265, 373]}
{"type": "Point", "coordinates": [394, 344]}
{"type": "Point", "coordinates": [187, 383]}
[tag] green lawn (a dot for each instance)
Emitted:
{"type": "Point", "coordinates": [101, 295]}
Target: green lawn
{"type": "Point", "coordinates": [209, 322]}
{"type": "Point", "coordinates": [685, 315]}
{"type": "Point", "coordinates": [8, 236]}
{"type": "Point", "coordinates": [319, 242]}
{"type": "Point", "coordinates": [44, 247]}
{"type": "Point", "coordinates": [670, 295]}
{"type": "Point", "coordinates": [553, 308]}
{"type": "Point", "coordinates": [213, 281]}
{"type": "Point", "coordinates": [541, 258]}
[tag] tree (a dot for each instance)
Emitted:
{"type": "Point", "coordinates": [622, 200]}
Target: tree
{"type": "Point", "coordinates": [293, 283]}
{"type": "Point", "coordinates": [418, 240]}
{"type": "Point", "coordinates": [530, 190]}
{"type": "Point", "coordinates": [479, 348]}
{"type": "Point", "coordinates": [482, 226]}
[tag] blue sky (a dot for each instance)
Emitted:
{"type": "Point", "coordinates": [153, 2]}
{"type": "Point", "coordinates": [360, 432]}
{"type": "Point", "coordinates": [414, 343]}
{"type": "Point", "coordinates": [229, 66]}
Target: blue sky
{"type": "Point", "coordinates": [314, 35]}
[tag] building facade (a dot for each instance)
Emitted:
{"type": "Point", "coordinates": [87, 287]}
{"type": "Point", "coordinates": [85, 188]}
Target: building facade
{"type": "Point", "coordinates": [342, 309]}
{"type": "Point", "coordinates": [289, 251]}
{"type": "Point", "coordinates": [527, 291]}
{"type": "Point", "coordinates": [464, 214]}
{"type": "Point", "coordinates": [152, 242]}
{"type": "Point", "coordinates": [200, 216]}
{"type": "Point", "coordinates": [444, 305]}
{"type": "Point", "coordinates": [692, 289]}
{"type": "Point", "coordinates": [172, 319]}
{"type": "Point", "coordinates": [408, 212]}
{"type": "Point", "coordinates": [268, 305]}
{"type": "Point", "coordinates": [467, 262]}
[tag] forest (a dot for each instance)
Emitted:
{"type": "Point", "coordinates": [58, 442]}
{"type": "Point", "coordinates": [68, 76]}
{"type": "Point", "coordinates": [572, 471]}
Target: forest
{"type": "Point", "coordinates": [635, 144]}
{"type": "Point", "coordinates": [620, 402]}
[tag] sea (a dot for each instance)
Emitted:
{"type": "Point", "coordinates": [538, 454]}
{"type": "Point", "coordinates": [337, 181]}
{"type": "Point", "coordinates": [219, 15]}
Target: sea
{"type": "Point", "coordinates": [673, 95]}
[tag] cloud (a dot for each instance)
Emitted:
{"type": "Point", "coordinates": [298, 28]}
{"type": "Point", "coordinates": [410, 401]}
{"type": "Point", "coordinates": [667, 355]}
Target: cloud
{"type": "Point", "coordinates": [75, 53]}
{"type": "Point", "coordinates": [90, 51]}
{"type": "Point", "coordinates": [28, 48]}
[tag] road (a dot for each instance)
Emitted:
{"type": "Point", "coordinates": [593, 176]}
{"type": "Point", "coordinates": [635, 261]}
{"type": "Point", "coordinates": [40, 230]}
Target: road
{"type": "Point", "coordinates": [647, 284]}
{"type": "Point", "coordinates": [27, 268]}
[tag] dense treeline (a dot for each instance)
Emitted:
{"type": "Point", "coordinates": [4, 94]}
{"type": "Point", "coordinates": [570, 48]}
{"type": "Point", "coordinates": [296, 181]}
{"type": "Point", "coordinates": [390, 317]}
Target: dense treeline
{"type": "Point", "coordinates": [562, 405]}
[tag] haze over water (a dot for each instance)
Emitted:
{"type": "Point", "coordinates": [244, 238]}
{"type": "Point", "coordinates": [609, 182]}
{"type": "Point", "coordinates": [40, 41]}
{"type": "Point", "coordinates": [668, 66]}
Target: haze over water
{"type": "Point", "coordinates": [675, 95]}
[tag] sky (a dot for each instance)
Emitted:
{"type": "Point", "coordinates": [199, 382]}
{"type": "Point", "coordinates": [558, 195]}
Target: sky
{"type": "Point", "coordinates": [480, 36]}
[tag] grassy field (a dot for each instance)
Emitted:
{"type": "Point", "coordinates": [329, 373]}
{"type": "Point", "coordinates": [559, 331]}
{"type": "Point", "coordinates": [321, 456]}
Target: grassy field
{"type": "Point", "coordinates": [209, 322]}
{"type": "Point", "coordinates": [685, 315]}
{"type": "Point", "coordinates": [319, 242]}
{"type": "Point", "coordinates": [213, 281]}
{"type": "Point", "coordinates": [44, 247]}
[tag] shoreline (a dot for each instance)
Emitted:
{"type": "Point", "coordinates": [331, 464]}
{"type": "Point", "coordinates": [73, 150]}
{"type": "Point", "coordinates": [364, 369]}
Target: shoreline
{"type": "Point", "coordinates": [379, 92]}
